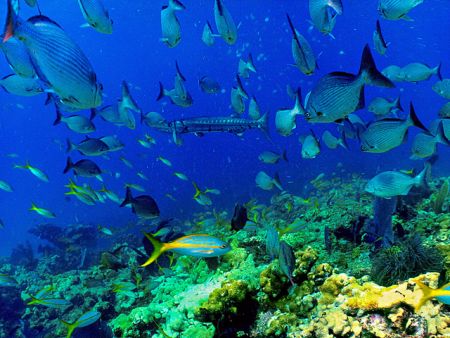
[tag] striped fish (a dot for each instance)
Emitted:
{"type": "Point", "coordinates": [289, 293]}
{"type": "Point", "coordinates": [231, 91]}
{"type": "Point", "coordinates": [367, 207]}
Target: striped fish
{"type": "Point", "coordinates": [96, 15]}
{"type": "Point", "coordinates": [323, 14]}
{"type": "Point", "coordinates": [397, 9]}
{"type": "Point", "coordinates": [58, 60]}
{"type": "Point", "coordinates": [386, 134]}
{"type": "Point", "coordinates": [338, 94]}
{"type": "Point", "coordinates": [302, 51]}
{"type": "Point", "coordinates": [18, 58]}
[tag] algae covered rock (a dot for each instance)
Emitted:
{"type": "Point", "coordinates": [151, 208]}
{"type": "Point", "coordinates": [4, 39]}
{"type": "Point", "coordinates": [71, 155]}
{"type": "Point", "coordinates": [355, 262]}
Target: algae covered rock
{"type": "Point", "coordinates": [232, 307]}
{"type": "Point", "coordinates": [304, 261]}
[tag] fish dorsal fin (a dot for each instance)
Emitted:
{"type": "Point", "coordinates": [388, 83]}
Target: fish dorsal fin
{"type": "Point", "coordinates": [42, 18]}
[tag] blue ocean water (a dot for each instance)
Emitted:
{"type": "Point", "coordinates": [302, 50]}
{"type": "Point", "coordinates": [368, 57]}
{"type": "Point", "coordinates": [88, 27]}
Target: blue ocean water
{"type": "Point", "coordinates": [229, 163]}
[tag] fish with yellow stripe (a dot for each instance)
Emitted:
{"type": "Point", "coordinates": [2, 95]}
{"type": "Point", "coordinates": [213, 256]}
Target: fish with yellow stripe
{"type": "Point", "coordinates": [198, 245]}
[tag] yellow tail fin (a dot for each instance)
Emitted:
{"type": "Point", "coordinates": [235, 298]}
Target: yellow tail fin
{"type": "Point", "coordinates": [70, 327]}
{"type": "Point", "coordinates": [158, 249]}
{"type": "Point", "coordinates": [428, 293]}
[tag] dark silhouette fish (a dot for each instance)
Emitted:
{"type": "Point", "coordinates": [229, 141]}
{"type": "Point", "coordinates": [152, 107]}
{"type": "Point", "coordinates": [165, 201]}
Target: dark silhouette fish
{"type": "Point", "coordinates": [144, 206]}
{"type": "Point", "coordinates": [239, 217]}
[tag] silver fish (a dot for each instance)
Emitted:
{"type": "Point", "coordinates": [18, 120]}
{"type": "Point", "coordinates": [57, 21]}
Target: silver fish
{"type": "Point", "coordinates": [209, 85]}
{"type": "Point", "coordinates": [301, 51]}
{"type": "Point", "coordinates": [22, 86]}
{"type": "Point", "coordinates": [397, 9]}
{"type": "Point", "coordinates": [393, 183]}
{"type": "Point", "coordinates": [443, 88]}
{"type": "Point", "coordinates": [224, 23]}
{"type": "Point", "coordinates": [266, 182]}
{"type": "Point", "coordinates": [85, 168]}
{"type": "Point", "coordinates": [208, 35]}
{"type": "Point", "coordinates": [378, 40]}
{"type": "Point", "coordinates": [126, 106]}
{"type": "Point", "coordinates": [58, 60]}
{"type": "Point", "coordinates": [310, 146]}
{"type": "Point", "coordinates": [415, 72]}
{"type": "Point", "coordinates": [18, 58]}
{"type": "Point", "coordinates": [174, 97]}
{"type": "Point", "coordinates": [285, 118]}
{"type": "Point", "coordinates": [88, 147]}
{"type": "Point", "coordinates": [380, 106]}
{"type": "Point", "coordinates": [253, 109]}
{"type": "Point", "coordinates": [386, 134]}
{"type": "Point", "coordinates": [394, 73]}
{"type": "Point", "coordinates": [170, 26]}
{"type": "Point", "coordinates": [77, 123]}
{"type": "Point", "coordinates": [332, 141]}
{"type": "Point", "coordinates": [96, 15]}
{"type": "Point", "coordinates": [324, 13]}
{"type": "Point", "coordinates": [237, 101]}
{"type": "Point", "coordinates": [269, 157]}
{"type": "Point", "coordinates": [113, 142]}
{"type": "Point", "coordinates": [245, 67]}
{"type": "Point", "coordinates": [338, 94]}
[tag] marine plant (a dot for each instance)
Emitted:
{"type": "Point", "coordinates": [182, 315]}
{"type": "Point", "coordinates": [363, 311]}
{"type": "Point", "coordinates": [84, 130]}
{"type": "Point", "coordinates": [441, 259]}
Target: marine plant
{"type": "Point", "coordinates": [403, 260]}
{"type": "Point", "coordinates": [439, 198]}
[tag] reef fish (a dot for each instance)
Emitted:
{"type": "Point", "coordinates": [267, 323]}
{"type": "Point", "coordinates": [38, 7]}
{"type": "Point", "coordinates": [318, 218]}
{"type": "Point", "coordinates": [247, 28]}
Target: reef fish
{"type": "Point", "coordinates": [224, 23]}
{"type": "Point", "coordinates": [442, 294]}
{"type": "Point", "coordinates": [338, 94]}
{"type": "Point", "coordinates": [302, 51]}
{"type": "Point", "coordinates": [378, 40]}
{"type": "Point", "coordinates": [143, 206]}
{"type": "Point", "coordinates": [96, 15]}
{"type": "Point", "coordinates": [239, 217]}
{"type": "Point", "coordinates": [6, 280]}
{"type": "Point", "coordinates": [397, 9]}
{"type": "Point", "coordinates": [198, 245]}
{"type": "Point", "coordinates": [84, 320]}
{"type": "Point", "coordinates": [324, 13]}
{"type": "Point", "coordinates": [170, 26]}
{"type": "Point", "coordinates": [266, 182]}
{"type": "Point", "coordinates": [21, 86]}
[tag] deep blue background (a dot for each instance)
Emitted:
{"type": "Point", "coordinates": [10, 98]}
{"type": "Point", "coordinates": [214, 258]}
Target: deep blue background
{"type": "Point", "coordinates": [226, 162]}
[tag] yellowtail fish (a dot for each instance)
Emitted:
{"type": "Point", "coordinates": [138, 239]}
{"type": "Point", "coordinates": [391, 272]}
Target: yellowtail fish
{"type": "Point", "coordinates": [200, 196]}
{"type": "Point", "coordinates": [35, 171]}
{"type": "Point", "coordinates": [110, 194]}
{"type": "Point", "coordinates": [198, 245]}
{"type": "Point", "coordinates": [85, 319]}
{"type": "Point", "coordinates": [6, 280]}
{"type": "Point", "coordinates": [170, 197]}
{"type": "Point", "coordinates": [57, 303]}
{"type": "Point", "coordinates": [142, 175]}
{"type": "Point", "coordinates": [5, 186]}
{"type": "Point", "coordinates": [41, 211]}
{"type": "Point", "coordinates": [181, 176]}
{"type": "Point", "coordinates": [105, 230]}
{"type": "Point", "coordinates": [245, 67]}
{"type": "Point", "coordinates": [135, 186]}
{"type": "Point", "coordinates": [442, 294]}
{"type": "Point", "coordinates": [145, 144]}
{"type": "Point", "coordinates": [165, 161]}
{"type": "Point", "coordinates": [126, 162]}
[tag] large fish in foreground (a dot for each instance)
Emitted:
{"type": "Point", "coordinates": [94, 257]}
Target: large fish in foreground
{"type": "Point", "coordinates": [338, 94]}
{"type": "Point", "coordinates": [323, 14]}
{"type": "Point", "coordinates": [58, 60]}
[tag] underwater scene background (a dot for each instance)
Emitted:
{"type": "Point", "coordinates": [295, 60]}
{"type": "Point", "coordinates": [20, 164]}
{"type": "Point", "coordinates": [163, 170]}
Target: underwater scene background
{"type": "Point", "coordinates": [318, 245]}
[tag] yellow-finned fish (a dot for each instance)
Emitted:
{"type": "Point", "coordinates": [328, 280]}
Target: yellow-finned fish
{"type": "Point", "coordinates": [35, 171]}
{"type": "Point", "coordinates": [198, 245]}
{"type": "Point", "coordinates": [41, 211]}
{"type": "Point", "coordinates": [85, 319]}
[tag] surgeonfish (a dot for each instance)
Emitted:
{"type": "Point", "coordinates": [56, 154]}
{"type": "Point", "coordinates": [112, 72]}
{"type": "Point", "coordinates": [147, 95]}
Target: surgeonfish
{"type": "Point", "coordinates": [245, 67]}
{"type": "Point", "coordinates": [144, 206]}
{"type": "Point", "coordinates": [224, 23]}
{"type": "Point", "coordinates": [378, 40]}
{"type": "Point", "coordinates": [84, 168]}
{"type": "Point", "coordinates": [285, 118]}
{"type": "Point", "coordinates": [266, 182]}
{"type": "Point", "coordinates": [393, 183]}
{"type": "Point", "coordinates": [170, 26]}
{"type": "Point", "coordinates": [302, 51]}
{"type": "Point", "coordinates": [96, 15]}
{"type": "Point", "coordinates": [338, 94]}
{"type": "Point", "coordinates": [383, 135]}
{"type": "Point", "coordinates": [324, 13]}
{"type": "Point", "coordinates": [197, 245]}
{"type": "Point", "coordinates": [397, 9]}
{"type": "Point", "coordinates": [58, 60]}
{"type": "Point", "coordinates": [416, 71]}
{"type": "Point", "coordinates": [84, 320]}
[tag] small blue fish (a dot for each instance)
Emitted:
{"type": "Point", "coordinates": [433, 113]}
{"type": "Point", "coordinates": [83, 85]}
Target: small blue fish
{"type": "Point", "coordinates": [97, 16]}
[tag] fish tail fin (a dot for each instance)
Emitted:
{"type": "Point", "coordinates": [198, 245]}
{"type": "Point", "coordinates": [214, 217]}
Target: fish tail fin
{"type": "Point", "coordinates": [427, 292]}
{"type": "Point", "coordinates": [438, 71]}
{"type": "Point", "coordinates": [33, 208]}
{"type": "Point", "coordinates": [263, 123]}
{"type": "Point", "coordinates": [284, 156]}
{"type": "Point", "coordinates": [179, 73]}
{"type": "Point", "coordinates": [93, 114]}
{"type": "Point", "coordinates": [12, 19]}
{"type": "Point", "coordinates": [128, 99]}
{"type": "Point", "coordinates": [241, 89]}
{"type": "Point", "coordinates": [298, 107]}
{"type": "Point", "coordinates": [58, 117]}
{"type": "Point", "coordinates": [414, 120]}
{"type": "Point", "coordinates": [250, 63]}
{"type": "Point", "coordinates": [69, 165]}
{"type": "Point", "coordinates": [277, 181]}
{"type": "Point", "coordinates": [197, 190]}
{"type": "Point", "coordinates": [176, 5]}
{"type": "Point", "coordinates": [369, 71]}
{"type": "Point", "coordinates": [158, 249]}
{"type": "Point", "coordinates": [128, 198]}
{"type": "Point", "coordinates": [70, 327]}
{"type": "Point", "coordinates": [70, 146]}
{"type": "Point", "coordinates": [398, 105]}
{"type": "Point", "coordinates": [162, 92]}
{"type": "Point", "coordinates": [343, 141]}
{"type": "Point", "coordinates": [336, 5]}
{"type": "Point", "coordinates": [422, 178]}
